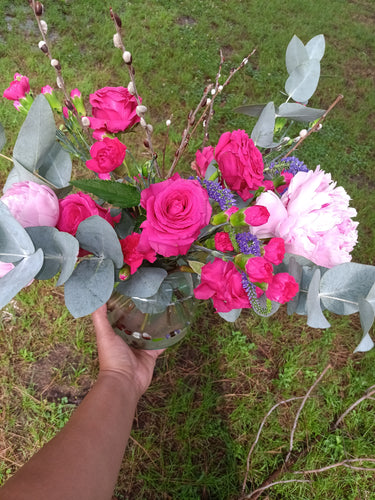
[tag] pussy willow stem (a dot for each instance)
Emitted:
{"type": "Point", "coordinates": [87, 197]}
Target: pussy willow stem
{"type": "Point", "coordinates": [6, 157]}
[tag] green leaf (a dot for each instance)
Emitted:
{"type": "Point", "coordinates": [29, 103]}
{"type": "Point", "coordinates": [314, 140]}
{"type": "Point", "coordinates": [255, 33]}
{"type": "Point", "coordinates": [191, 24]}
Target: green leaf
{"type": "Point", "coordinates": [262, 133]}
{"type": "Point", "coordinates": [20, 276]}
{"type": "Point", "coordinates": [118, 194]}
{"type": "Point", "coordinates": [315, 316]}
{"type": "Point", "coordinates": [298, 112]}
{"type": "Point", "coordinates": [315, 47]}
{"type": "Point", "coordinates": [303, 81]}
{"type": "Point", "coordinates": [143, 283]}
{"type": "Point", "coordinates": [196, 266]}
{"type": "Point", "coordinates": [295, 270]}
{"type": "Point", "coordinates": [96, 235]}
{"type": "Point", "coordinates": [89, 287]}
{"type": "Point", "coordinates": [251, 110]}
{"type": "Point", "coordinates": [15, 243]}
{"type": "Point", "coordinates": [296, 54]}
{"type": "Point", "coordinates": [2, 137]}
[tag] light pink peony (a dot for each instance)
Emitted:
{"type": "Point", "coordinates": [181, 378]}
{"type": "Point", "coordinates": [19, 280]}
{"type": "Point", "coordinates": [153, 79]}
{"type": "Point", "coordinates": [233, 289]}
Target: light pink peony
{"type": "Point", "coordinates": [18, 88]}
{"type": "Point", "coordinates": [176, 209]}
{"type": "Point", "coordinates": [313, 218]}
{"type": "Point", "coordinates": [221, 282]}
{"type": "Point", "coordinates": [32, 204]}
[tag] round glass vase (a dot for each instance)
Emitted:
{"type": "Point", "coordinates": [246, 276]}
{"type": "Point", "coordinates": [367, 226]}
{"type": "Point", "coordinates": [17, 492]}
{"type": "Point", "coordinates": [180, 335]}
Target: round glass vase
{"type": "Point", "coordinates": [155, 322]}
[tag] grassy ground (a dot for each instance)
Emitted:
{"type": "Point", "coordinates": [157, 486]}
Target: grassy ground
{"type": "Point", "coordinates": [195, 426]}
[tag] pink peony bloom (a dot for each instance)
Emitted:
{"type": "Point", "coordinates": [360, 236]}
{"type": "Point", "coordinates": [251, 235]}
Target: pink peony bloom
{"type": "Point", "coordinates": [313, 218]}
{"type": "Point", "coordinates": [177, 209]}
{"type": "Point", "coordinates": [240, 162]}
{"type": "Point", "coordinates": [256, 215]}
{"type": "Point", "coordinates": [259, 270]}
{"type": "Point", "coordinates": [113, 110]}
{"type": "Point", "coordinates": [223, 243]}
{"type": "Point", "coordinates": [202, 160]}
{"type": "Point", "coordinates": [274, 251]}
{"type": "Point", "coordinates": [77, 207]}
{"type": "Point", "coordinates": [106, 155]}
{"type": "Point", "coordinates": [132, 256]}
{"type": "Point", "coordinates": [18, 88]}
{"type": "Point", "coordinates": [221, 282]}
{"type": "Point", "coordinates": [5, 267]}
{"type": "Point", "coordinates": [282, 288]}
{"type": "Point", "coordinates": [32, 204]}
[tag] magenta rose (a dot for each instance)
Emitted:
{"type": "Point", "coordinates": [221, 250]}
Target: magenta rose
{"type": "Point", "coordinates": [106, 155]}
{"type": "Point", "coordinates": [282, 288]}
{"type": "Point", "coordinates": [32, 204]}
{"type": "Point", "coordinates": [256, 215]}
{"type": "Point", "coordinates": [240, 162]}
{"type": "Point", "coordinates": [223, 243]}
{"type": "Point", "coordinates": [113, 110]}
{"type": "Point", "coordinates": [202, 160]}
{"type": "Point", "coordinates": [132, 256]}
{"type": "Point", "coordinates": [259, 270]}
{"type": "Point", "coordinates": [274, 251]}
{"type": "Point", "coordinates": [18, 88]}
{"type": "Point", "coordinates": [176, 209]}
{"type": "Point", "coordinates": [221, 282]}
{"type": "Point", "coordinates": [77, 207]}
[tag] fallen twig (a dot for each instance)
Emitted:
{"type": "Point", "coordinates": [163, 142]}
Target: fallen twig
{"type": "Point", "coordinates": [356, 403]}
{"type": "Point", "coordinates": [274, 484]}
{"type": "Point", "coordinates": [343, 463]}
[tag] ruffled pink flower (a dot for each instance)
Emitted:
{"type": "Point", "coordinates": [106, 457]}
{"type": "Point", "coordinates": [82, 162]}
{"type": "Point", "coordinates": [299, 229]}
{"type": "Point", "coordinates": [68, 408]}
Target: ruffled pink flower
{"type": "Point", "coordinates": [18, 88]}
{"type": "Point", "coordinates": [202, 160]}
{"type": "Point", "coordinates": [221, 282]}
{"type": "Point", "coordinates": [106, 156]}
{"type": "Point", "coordinates": [132, 256]}
{"type": "Point", "coordinates": [75, 93]}
{"type": "Point", "coordinates": [47, 89]}
{"type": "Point", "coordinates": [282, 288]}
{"type": "Point", "coordinates": [32, 204]}
{"type": "Point", "coordinates": [313, 218]}
{"type": "Point", "coordinates": [223, 243]}
{"type": "Point", "coordinates": [274, 251]}
{"type": "Point", "coordinates": [259, 270]}
{"type": "Point", "coordinates": [256, 215]}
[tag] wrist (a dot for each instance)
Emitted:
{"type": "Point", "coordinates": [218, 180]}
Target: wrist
{"type": "Point", "coordinates": [125, 382]}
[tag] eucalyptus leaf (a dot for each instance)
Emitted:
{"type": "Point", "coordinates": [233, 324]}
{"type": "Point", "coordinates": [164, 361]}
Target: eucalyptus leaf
{"type": "Point", "coordinates": [315, 47]}
{"type": "Point", "coordinates": [57, 166]}
{"type": "Point", "coordinates": [126, 225]}
{"type": "Point", "coordinates": [295, 270]}
{"type": "Point", "coordinates": [2, 137]}
{"type": "Point", "coordinates": [315, 316]}
{"type": "Point", "coordinates": [145, 282]}
{"type": "Point", "coordinates": [11, 179]}
{"type": "Point", "coordinates": [156, 303]}
{"type": "Point", "coordinates": [20, 276]}
{"type": "Point", "coordinates": [96, 235]}
{"type": "Point", "coordinates": [366, 315]}
{"type": "Point", "coordinates": [342, 287]}
{"type": "Point", "coordinates": [69, 248]}
{"type": "Point", "coordinates": [371, 296]}
{"type": "Point", "coordinates": [211, 170]}
{"type": "Point", "coordinates": [296, 54]}
{"type": "Point", "coordinates": [307, 275]}
{"type": "Point", "coordinates": [251, 110]}
{"type": "Point", "coordinates": [230, 316]}
{"type": "Point", "coordinates": [298, 112]}
{"type": "Point", "coordinates": [118, 194]}
{"type": "Point", "coordinates": [37, 135]}
{"type": "Point", "coordinates": [303, 81]}
{"type": "Point", "coordinates": [89, 287]}
{"type": "Point", "coordinates": [15, 243]}
{"type": "Point", "coordinates": [262, 133]}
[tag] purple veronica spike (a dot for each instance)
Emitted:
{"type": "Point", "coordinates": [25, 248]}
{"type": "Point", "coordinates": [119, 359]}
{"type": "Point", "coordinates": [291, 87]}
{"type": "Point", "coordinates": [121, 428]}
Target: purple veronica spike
{"type": "Point", "coordinates": [223, 196]}
{"type": "Point", "coordinates": [248, 244]}
{"type": "Point", "coordinates": [290, 164]}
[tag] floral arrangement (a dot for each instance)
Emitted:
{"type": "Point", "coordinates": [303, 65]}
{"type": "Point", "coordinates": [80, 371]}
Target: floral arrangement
{"type": "Point", "coordinates": [254, 227]}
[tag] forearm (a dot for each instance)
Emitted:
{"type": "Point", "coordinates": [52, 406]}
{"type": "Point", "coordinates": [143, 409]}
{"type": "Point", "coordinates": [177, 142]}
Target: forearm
{"type": "Point", "coordinates": [83, 460]}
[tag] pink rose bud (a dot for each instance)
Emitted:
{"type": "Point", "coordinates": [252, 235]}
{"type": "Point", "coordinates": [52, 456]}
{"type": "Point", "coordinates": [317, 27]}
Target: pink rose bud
{"type": "Point", "coordinates": [256, 215]}
{"type": "Point", "coordinates": [32, 204]}
{"type": "Point", "coordinates": [18, 88]}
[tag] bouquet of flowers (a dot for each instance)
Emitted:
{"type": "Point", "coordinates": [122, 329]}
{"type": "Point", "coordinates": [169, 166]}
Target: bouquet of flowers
{"type": "Point", "coordinates": [253, 228]}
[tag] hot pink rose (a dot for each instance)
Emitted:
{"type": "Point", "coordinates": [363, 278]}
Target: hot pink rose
{"type": "Point", "coordinates": [32, 204]}
{"type": "Point", "coordinates": [313, 218]}
{"type": "Point", "coordinates": [132, 256]}
{"type": "Point", "coordinates": [221, 282]}
{"type": "Point", "coordinates": [240, 162]}
{"type": "Point", "coordinates": [202, 160]}
{"type": "Point", "coordinates": [177, 209]}
{"type": "Point", "coordinates": [274, 251]}
{"type": "Point", "coordinates": [106, 155]}
{"type": "Point", "coordinates": [18, 88]}
{"type": "Point", "coordinates": [77, 207]}
{"type": "Point", "coordinates": [259, 270]}
{"type": "Point", "coordinates": [256, 215]}
{"type": "Point", "coordinates": [282, 288]}
{"type": "Point", "coordinates": [113, 110]}
{"type": "Point", "coordinates": [223, 243]}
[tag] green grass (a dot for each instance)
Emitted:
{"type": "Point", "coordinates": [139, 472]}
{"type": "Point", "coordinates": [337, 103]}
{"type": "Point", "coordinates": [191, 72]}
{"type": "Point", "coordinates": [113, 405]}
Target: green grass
{"type": "Point", "coordinates": [195, 426]}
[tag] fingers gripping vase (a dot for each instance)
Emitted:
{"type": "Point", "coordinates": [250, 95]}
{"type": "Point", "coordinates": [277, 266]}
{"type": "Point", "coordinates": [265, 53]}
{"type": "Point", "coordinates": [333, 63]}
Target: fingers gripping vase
{"type": "Point", "coordinates": [155, 322]}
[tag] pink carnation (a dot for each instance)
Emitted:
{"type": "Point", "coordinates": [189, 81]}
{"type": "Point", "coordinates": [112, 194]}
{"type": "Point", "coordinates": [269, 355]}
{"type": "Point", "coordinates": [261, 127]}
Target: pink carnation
{"type": "Point", "coordinates": [221, 282]}
{"type": "Point", "coordinates": [259, 270]}
{"type": "Point", "coordinates": [132, 256]}
{"type": "Point", "coordinates": [223, 243]}
{"type": "Point", "coordinates": [18, 88]}
{"type": "Point", "coordinates": [106, 155]}
{"type": "Point", "coordinates": [313, 218]}
{"type": "Point", "coordinates": [274, 251]}
{"type": "Point", "coordinates": [256, 215]}
{"type": "Point", "coordinates": [282, 288]}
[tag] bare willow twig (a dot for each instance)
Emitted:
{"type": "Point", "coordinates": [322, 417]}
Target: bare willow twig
{"type": "Point", "coordinates": [211, 106]}
{"type": "Point", "coordinates": [343, 463]}
{"type": "Point", "coordinates": [356, 403]}
{"type": "Point", "coordinates": [274, 484]}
